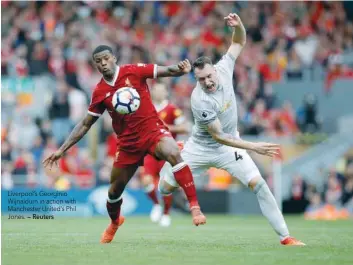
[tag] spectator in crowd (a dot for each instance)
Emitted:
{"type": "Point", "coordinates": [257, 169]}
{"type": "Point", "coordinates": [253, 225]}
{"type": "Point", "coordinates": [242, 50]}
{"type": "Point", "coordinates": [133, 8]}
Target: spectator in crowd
{"type": "Point", "coordinates": [307, 115]}
{"type": "Point", "coordinates": [294, 66]}
{"type": "Point", "coordinates": [59, 113]}
{"type": "Point", "coordinates": [299, 198]}
{"type": "Point", "coordinates": [284, 121]}
{"type": "Point", "coordinates": [333, 190]}
{"type": "Point", "coordinates": [38, 59]}
{"type": "Point", "coordinates": [315, 205]}
{"type": "Point", "coordinates": [44, 129]}
{"type": "Point", "coordinates": [23, 132]}
{"type": "Point", "coordinates": [298, 188]}
{"type": "Point", "coordinates": [347, 192]}
{"type": "Point", "coordinates": [6, 155]}
{"type": "Point", "coordinates": [37, 150]}
{"type": "Point", "coordinates": [336, 200]}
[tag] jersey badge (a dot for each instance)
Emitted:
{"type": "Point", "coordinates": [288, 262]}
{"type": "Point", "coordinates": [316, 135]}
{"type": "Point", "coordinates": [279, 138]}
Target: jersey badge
{"type": "Point", "coordinates": [226, 106]}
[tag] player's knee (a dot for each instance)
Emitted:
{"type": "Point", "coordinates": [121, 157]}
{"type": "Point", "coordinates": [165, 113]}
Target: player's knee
{"type": "Point", "coordinates": [174, 157]}
{"type": "Point", "coordinates": [164, 188]}
{"type": "Point", "coordinates": [114, 194]}
{"type": "Point", "coordinates": [116, 189]}
{"type": "Point", "coordinates": [255, 182]}
{"type": "Point", "coordinates": [146, 180]}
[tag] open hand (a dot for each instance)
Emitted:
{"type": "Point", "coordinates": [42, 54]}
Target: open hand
{"type": "Point", "coordinates": [53, 158]}
{"type": "Point", "coordinates": [232, 20]}
{"type": "Point", "coordinates": [267, 149]}
{"type": "Point", "coordinates": [185, 66]}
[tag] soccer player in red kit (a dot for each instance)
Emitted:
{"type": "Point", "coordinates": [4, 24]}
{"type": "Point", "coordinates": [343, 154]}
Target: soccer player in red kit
{"type": "Point", "coordinates": [139, 133]}
{"type": "Point", "coordinates": [174, 119]}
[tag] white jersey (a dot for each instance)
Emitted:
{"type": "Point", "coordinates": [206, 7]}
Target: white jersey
{"type": "Point", "coordinates": [201, 151]}
{"type": "Point", "coordinates": [221, 104]}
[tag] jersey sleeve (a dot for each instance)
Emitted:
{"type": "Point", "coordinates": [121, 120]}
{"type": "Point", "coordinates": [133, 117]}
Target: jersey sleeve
{"type": "Point", "coordinates": [227, 63]}
{"type": "Point", "coordinates": [147, 70]}
{"type": "Point", "coordinates": [203, 112]}
{"type": "Point", "coordinates": [96, 107]}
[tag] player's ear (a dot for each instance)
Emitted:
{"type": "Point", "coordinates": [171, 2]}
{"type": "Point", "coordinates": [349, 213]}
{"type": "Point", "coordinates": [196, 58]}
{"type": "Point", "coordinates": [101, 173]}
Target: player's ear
{"type": "Point", "coordinates": [115, 59]}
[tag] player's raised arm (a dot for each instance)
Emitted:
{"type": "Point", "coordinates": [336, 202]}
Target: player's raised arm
{"type": "Point", "coordinates": [215, 129]}
{"type": "Point", "coordinates": [77, 133]}
{"type": "Point", "coordinates": [182, 68]}
{"type": "Point", "coordinates": [239, 34]}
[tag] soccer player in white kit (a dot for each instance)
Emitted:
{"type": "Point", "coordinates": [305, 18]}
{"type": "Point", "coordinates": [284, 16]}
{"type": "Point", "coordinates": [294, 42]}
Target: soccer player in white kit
{"type": "Point", "coordinates": [215, 140]}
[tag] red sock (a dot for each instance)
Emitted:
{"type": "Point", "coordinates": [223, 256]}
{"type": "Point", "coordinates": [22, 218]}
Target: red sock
{"type": "Point", "coordinates": [113, 209]}
{"type": "Point", "coordinates": [167, 203]}
{"type": "Point", "coordinates": [183, 176]}
{"type": "Point", "coordinates": [152, 193]}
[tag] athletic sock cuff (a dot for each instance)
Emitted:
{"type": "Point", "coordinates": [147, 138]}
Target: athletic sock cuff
{"type": "Point", "coordinates": [179, 166]}
{"type": "Point", "coordinates": [259, 185]}
{"type": "Point", "coordinates": [149, 188]}
{"type": "Point", "coordinates": [114, 200]}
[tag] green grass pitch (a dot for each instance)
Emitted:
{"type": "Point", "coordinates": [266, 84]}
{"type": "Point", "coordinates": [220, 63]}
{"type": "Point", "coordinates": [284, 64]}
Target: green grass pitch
{"type": "Point", "coordinates": [224, 240]}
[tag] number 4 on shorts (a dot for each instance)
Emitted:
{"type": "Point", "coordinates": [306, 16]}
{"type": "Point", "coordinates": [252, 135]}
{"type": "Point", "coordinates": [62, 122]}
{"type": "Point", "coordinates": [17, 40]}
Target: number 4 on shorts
{"type": "Point", "coordinates": [237, 157]}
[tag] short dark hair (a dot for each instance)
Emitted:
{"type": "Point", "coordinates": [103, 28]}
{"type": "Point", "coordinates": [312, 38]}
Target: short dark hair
{"type": "Point", "coordinates": [101, 48]}
{"type": "Point", "coordinates": [201, 62]}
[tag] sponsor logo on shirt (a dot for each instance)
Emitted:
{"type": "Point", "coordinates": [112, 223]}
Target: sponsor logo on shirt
{"type": "Point", "coordinates": [226, 106]}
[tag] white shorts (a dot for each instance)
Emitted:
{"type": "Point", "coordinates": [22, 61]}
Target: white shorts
{"type": "Point", "coordinates": [236, 162]}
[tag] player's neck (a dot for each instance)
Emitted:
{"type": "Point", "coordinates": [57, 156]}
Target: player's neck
{"type": "Point", "coordinates": [218, 86]}
{"type": "Point", "coordinates": [111, 78]}
{"type": "Point", "coordinates": [218, 83]}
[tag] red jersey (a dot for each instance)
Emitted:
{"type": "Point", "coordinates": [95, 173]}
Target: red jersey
{"type": "Point", "coordinates": [170, 114]}
{"type": "Point", "coordinates": [133, 129]}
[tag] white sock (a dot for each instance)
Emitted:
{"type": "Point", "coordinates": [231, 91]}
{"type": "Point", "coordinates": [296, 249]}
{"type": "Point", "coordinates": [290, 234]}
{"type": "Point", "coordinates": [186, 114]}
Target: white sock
{"type": "Point", "coordinates": [166, 176]}
{"type": "Point", "coordinates": [270, 209]}
{"type": "Point", "coordinates": [149, 188]}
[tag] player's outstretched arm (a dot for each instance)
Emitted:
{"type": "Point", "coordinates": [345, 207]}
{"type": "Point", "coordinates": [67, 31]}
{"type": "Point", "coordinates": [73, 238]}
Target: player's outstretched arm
{"type": "Point", "coordinates": [239, 34]}
{"type": "Point", "coordinates": [179, 69]}
{"type": "Point", "coordinates": [215, 129]}
{"type": "Point", "coordinates": [77, 133]}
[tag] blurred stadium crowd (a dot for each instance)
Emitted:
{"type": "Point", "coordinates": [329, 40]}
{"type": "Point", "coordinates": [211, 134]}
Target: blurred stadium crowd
{"type": "Point", "coordinates": [48, 74]}
{"type": "Point", "coordinates": [334, 200]}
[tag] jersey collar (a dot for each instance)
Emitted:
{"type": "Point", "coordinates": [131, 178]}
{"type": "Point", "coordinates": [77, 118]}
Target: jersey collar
{"type": "Point", "coordinates": [112, 83]}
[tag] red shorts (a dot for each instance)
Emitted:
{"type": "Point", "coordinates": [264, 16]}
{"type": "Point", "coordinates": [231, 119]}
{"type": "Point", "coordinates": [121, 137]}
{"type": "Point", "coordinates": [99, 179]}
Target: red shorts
{"type": "Point", "coordinates": [152, 166]}
{"type": "Point", "coordinates": [124, 158]}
